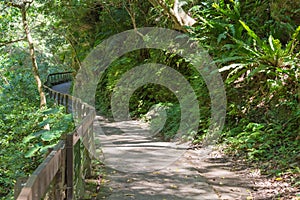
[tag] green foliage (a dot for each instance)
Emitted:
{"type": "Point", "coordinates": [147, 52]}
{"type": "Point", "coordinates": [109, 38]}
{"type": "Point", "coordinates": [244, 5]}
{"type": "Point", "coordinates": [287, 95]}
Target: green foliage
{"type": "Point", "coordinates": [258, 55]}
{"type": "Point", "coordinates": [40, 140]}
{"type": "Point", "coordinates": [153, 94]}
{"type": "Point", "coordinates": [263, 56]}
{"type": "Point", "coordinates": [217, 22]}
{"type": "Point", "coordinates": [10, 23]}
{"type": "Point", "coordinates": [19, 111]}
{"type": "Point", "coordinates": [108, 81]}
{"type": "Point", "coordinates": [20, 152]}
{"type": "Point", "coordinates": [266, 78]}
{"type": "Point", "coordinates": [171, 120]}
{"type": "Point", "coordinates": [254, 43]}
{"type": "Point", "coordinates": [273, 145]}
{"type": "Point", "coordinates": [23, 142]}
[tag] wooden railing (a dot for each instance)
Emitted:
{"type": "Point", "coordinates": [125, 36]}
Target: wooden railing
{"type": "Point", "coordinates": [54, 178]}
{"type": "Point", "coordinates": [57, 78]}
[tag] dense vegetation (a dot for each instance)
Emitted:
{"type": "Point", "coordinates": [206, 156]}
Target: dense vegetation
{"type": "Point", "coordinates": [254, 43]}
{"type": "Point", "coordinates": [24, 126]}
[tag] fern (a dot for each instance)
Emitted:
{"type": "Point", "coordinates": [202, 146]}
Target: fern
{"type": "Point", "coordinates": [293, 42]}
{"type": "Point", "coordinates": [251, 33]}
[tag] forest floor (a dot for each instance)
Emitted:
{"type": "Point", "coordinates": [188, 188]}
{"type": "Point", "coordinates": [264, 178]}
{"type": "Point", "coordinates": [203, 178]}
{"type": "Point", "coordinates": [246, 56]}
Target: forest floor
{"type": "Point", "coordinates": [135, 165]}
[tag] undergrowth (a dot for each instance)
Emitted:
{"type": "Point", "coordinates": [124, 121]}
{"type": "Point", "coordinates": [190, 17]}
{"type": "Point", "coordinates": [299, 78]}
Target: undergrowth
{"type": "Point", "coordinates": [23, 140]}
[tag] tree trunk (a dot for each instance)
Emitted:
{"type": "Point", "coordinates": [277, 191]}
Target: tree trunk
{"type": "Point", "coordinates": [33, 58]}
{"type": "Point", "coordinates": [177, 14]}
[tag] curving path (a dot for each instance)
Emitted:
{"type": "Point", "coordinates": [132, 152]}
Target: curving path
{"type": "Point", "coordinates": [141, 167]}
{"type": "Point", "coordinates": [63, 88]}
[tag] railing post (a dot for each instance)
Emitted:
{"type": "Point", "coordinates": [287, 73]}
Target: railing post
{"type": "Point", "coordinates": [67, 103]}
{"type": "Point", "coordinates": [58, 99]}
{"type": "Point", "coordinates": [69, 167]}
{"type": "Point", "coordinates": [54, 96]}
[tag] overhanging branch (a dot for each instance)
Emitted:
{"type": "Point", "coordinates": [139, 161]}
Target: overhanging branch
{"type": "Point", "coordinates": [18, 4]}
{"type": "Point", "coordinates": [12, 41]}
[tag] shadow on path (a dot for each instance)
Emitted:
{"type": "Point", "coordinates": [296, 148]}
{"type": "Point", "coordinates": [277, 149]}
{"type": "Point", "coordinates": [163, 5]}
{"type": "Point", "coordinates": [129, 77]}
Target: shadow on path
{"type": "Point", "coordinates": [140, 166]}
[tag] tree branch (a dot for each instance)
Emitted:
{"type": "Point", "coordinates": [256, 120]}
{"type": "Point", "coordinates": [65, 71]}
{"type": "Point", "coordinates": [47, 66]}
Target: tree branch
{"type": "Point", "coordinates": [12, 41]}
{"type": "Point", "coordinates": [12, 4]}
{"type": "Point", "coordinates": [131, 13]}
{"type": "Point", "coordinates": [178, 15]}
{"type": "Point", "coordinates": [20, 4]}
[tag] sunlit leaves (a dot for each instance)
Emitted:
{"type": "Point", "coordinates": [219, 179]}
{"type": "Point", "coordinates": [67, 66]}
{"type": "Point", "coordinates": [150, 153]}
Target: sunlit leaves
{"type": "Point", "coordinates": [10, 23]}
{"type": "Point", "coordinates": [21, 123]}
{"type": "Point", "coordinates": [251, 32]}
{"type": "Point", "coordinates": [59, 122]}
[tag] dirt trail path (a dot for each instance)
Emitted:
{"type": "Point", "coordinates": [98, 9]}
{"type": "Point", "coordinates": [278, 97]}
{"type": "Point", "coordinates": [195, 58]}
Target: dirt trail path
{"type": "Point", "coordinates": [142, 167]}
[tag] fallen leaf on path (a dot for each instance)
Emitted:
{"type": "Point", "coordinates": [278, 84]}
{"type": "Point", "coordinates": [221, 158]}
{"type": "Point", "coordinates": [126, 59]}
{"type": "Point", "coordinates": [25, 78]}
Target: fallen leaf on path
{"type": "Point", "coordinates": [173, 186]}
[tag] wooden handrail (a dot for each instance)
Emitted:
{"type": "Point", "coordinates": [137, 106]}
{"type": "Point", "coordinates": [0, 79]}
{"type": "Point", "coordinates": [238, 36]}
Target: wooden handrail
{"type": "Point", "coordinates": [57, 78]}
{"type": "Point", "coordinates": [58, 166]}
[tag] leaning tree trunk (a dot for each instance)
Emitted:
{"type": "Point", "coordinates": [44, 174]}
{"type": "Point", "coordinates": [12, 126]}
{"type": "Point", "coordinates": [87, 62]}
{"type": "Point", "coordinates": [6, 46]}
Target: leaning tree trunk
{"type": "Point", "coordinates": [33, 58]}
{"type": "Point", "coordinates": [180, 18]}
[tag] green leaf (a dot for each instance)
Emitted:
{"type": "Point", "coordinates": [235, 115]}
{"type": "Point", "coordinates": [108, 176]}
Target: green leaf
{"type": "Point", "coordinates": [50, 111]}
{"type": "Point", "coordinates": [271, 42]}
{"type": "Point", "coordinates": [247, 47]}
{"type": "Point", "coordinates": [222, 36]}
{"type": "Point", "coordinates": [232, 66]}
{"type": "Point", "coordinates": [33, 135]}
{"type": "Point", "coordinates": [45, 122]}
{"type": "Point", "coordinates": [292, 43]}
{"type": "Point", "coordinates": [32, 151]}
{"type": "Point", "coordinates": [45, 148]}
{"type": "Point", "coordinates": [251, 33]}
{"type": "Point", "coordinates": [51, 135]}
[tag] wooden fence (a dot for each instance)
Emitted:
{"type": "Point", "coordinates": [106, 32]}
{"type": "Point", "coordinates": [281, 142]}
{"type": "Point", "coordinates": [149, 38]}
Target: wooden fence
{"type": "Point", "coordinates": [61, 174]}
{"type": "Point", "coordinates": [57, 78]}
